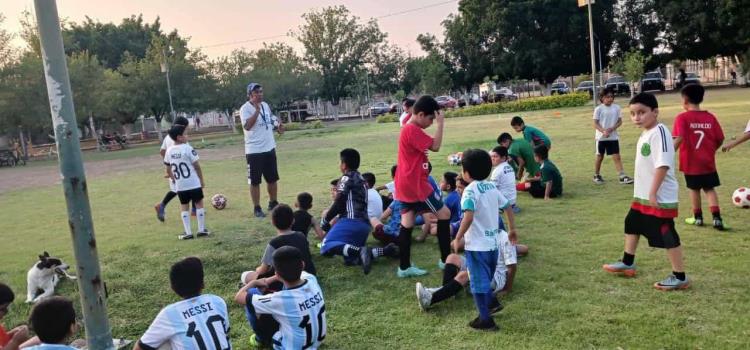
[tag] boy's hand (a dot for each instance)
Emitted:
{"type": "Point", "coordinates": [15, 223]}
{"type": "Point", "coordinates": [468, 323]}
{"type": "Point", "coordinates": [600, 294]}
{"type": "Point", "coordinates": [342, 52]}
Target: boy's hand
{"type": "Point", "coordinates": [281, 129]}
{"type": "Point", "coordinates": [727, 147]}
{"type": "Point", "coordinates": [439, 116]}
{"type": "Point", "coordinates": [652, 200]}
{"type": "Point", "coordinates": [513, 236]}
{"type": "Point", "coordinates": [454, 246]}
{"type": "Point", "coordinates": [19, 334]}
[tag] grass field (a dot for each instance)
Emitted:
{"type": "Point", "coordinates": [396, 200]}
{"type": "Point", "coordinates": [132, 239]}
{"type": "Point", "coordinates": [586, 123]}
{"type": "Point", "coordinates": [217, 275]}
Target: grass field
{"type": "Point", "coordinates": [561, 298]}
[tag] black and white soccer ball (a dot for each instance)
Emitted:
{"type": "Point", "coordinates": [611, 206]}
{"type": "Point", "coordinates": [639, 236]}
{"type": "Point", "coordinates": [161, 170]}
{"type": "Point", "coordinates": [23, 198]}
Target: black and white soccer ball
{"type": "Point", "coordinates": [219, 201]}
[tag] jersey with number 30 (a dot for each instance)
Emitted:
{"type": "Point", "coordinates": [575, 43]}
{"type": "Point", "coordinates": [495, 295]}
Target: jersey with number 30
{"type": "Point", "coordinates": [200, 323]}
{"type": "Point", "coordinates": [181, 158]}
{"type": "Point", "coordinates": [701, 137]}
{"type": "Point", "coordinates": [300, 312]}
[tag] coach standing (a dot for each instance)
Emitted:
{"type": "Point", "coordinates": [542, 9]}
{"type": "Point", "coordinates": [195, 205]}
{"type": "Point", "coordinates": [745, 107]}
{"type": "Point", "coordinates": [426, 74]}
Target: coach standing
{"type": "Point", "coordinates": [258, 124]}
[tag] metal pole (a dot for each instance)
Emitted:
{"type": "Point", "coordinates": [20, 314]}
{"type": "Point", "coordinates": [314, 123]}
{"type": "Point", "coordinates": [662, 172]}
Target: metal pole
{"type": "Point", "coordinates": [90, 284]}
{"type": "Point", "coordinates": [169, 86]}
{"type": "Point", "coordinates": [593, 56]}
{"type": "Point", "coordinates": [367, 85]}
{"type": "Point", "coordinates": [601, 63]}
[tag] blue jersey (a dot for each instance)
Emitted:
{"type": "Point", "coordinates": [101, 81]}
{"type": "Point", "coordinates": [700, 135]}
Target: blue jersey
{"type": "Point", "coordinates": [300, 312]}
{"type": "Point", "coordinates": [392, 227]}
{"type": "Point", "coordinates": [198, 323]}
{"type": "Point", "coordinates": [435, 187]}
{"type": "Point", "coordinates": [453, 202]}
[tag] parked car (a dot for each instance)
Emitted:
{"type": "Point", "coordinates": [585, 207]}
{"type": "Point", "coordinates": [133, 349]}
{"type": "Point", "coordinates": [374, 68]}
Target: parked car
{"type": "Point", "coordinates": [652, 81]}
{"type": "Point", "coordinates": [559, 88]}
{"type": "Point", "coordinates": [379, 108]}
{"type": "Point", "coordinates": [692, 78]}
{"type": "Point", "coordinates": [473, 99]}
{"type": "Point", "coordinates": [618, 85]}
{"type": "Point", "coordinates": [446, 102]}
{"type": "Point", "coordinates": [587, 86]}
{"type": "Point", "coordinates": [505, 94]}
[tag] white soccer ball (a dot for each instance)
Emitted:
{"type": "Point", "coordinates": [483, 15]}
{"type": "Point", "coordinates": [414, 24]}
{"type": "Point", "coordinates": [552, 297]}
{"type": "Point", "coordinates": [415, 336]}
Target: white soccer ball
{"type": "Point", "coordinates": [218, 201]}
{"type": "Point", "coordinates": [741, 197]}
{"type": "Point", "coordinates": [455, 159]}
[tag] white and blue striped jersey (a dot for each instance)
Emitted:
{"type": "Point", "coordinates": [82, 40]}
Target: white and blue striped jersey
{"type": "Point", "coordinates": [300, 312]}
{"type": "Point", "coordinates": [199, 323]}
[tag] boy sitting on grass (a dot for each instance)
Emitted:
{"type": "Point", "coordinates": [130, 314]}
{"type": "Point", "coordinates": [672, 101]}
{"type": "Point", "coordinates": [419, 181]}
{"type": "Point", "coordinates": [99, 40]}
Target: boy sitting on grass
{"type": "Point", "coordinates": [54, 321]}
{"type": "Point", "coordinates": [551, 180]}
{"type": "Point", "coordinates": [303, 221]}
{"type": "Point", "coordinates": [10, 340]}
{"type": "Point", "coordinates": [503, 176]}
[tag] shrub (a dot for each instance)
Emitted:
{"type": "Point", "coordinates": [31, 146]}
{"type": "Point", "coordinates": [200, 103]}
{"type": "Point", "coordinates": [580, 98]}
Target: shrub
{"type": "Point", "coordinates": [387, 118]}
{"type": "Point", "coordinates": [303, 126]}
{"type": "Point", "coordinates": [529, 104]}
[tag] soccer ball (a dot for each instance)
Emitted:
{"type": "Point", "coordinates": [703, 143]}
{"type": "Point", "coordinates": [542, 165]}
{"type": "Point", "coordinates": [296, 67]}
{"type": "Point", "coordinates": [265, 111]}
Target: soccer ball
{"type": "Point", "coordinates": [218, 201]}
{"type": "Point", "coordinates": [455, 159]}
{"type": "Point", "coordinates": [741, 197]}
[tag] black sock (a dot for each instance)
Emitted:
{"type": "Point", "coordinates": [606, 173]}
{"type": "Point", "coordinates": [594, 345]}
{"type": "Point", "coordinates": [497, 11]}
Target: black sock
{"type": "Point", "coordinates": [628, 259]}
{"type": "Point", "coordinates": [680, 275]}
{"type": "Point", "coordinates": [698, 214]}
{"type": "Point", "coordinates": [450, 289]}
{"type": "Point", "coordinates": [350, 250]}
{"type": "Point", "coordinates": [404, 247]}
{"type": "Point", "coordinates": [449, 273]}
{"type": "Point", "coordinates": [257, 207]}
{"type": "Point", "coordinates": [377, 252]}
{"type": "Point", "coordinates": [444, 238]}
{"type": "Point", "coordinates": [168, 197]}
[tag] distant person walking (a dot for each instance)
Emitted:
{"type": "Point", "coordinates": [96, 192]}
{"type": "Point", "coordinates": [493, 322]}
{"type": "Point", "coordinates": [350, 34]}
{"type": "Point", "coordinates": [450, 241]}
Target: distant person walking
{"type": "Point", "coordinates": [682, 77]}
{"type": "Point", "coordinates": [258, 125]}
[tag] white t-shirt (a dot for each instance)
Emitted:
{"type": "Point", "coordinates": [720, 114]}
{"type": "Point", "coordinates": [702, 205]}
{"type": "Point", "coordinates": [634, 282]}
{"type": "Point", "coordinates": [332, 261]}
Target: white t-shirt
{"type": "Point", "coordinates": [391, 187]}
{"type": "Point", "coordinates": [181, 158]}
{"type": "Point", "coordinates": [485, 200]}
{"type": "Point", "coordinates": [192, 324]}
{"type": "Point", "coordinates": [747, 128]}
{"type": "Point", "coordinates": [300, 313]}
{"type": "Point", "coordinates": [504, 178]}
{"type": "Point", "coordinates": [259, 139]}
{"type": "Point", "coordinates": [607, 117]}
{"type": "Point", "coordinates": [374, 204]}
{"type": "Point", "coordinates": [655, 149]}
{"type": "Point", "coordinates": [402, 117]}
{"type": "Point", "coordinates": [506, 256]}
{"type": "Point", "coordinates": [166, 143]}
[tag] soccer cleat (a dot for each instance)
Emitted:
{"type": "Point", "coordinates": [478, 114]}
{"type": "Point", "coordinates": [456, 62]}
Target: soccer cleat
{"type": "Point", "coordinates": [672, 283]}
{"type": "Point", "coordinates": [598, 179]}
{"type": "Point", "coordinates": [496, 306]}
{"type": "Point", "coordinates": [184, 236]}
{"type": "Point", "coordinates": [424, 297]}
{"type": "Point", "coordinates": [694, 221]}
{"type": "Point", "coordinates": [626, 180]}
{"type": "Point", "coordinates": [620, 267]}
{"type": "Point", "coordinates": [159, 211]}
{"type": "Point", "coordinates": [258, 212]}
{"type": "Point", "coordinates": [365, 254]}
{"type": "Point", "coordinates": [412, 271]}
{"type": "Point", "coordinates": [480, 325]}
{"type": "Point", "coordinates": [272, 205]}
{"type": "Point", "coordinates": [390, 250]}
{"type": "Point", "coordinates": [203, 233]}
{"type": "Point", "coordinates": [441, 265]}
{"type": "Point", "coordinates": [719, 225]}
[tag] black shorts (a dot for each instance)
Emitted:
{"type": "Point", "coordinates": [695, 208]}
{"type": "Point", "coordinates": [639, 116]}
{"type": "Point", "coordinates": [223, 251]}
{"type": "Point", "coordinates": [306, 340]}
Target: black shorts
{"type": "Point", "coordinates": [703, 181]}
{"type": "Point", "coordinates": [660, 232]}
{"type": "Point", "coordinates": [194, 195]}
{"type": "Point", "coordinates": [262, 164]}
{"type": "Point", "coordinates": [431, 204]}
{"type": "Point", "coordinates": [608, 147]}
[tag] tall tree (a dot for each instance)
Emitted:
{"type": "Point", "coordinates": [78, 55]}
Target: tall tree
{"type": "Point", "coordinates": [283, 74]}
{"type": "Point", "coordinates": [336, 45]}
{"type": "Point", "coordinates": [387, 67]}
{"type": "Point", "coordinates": [7, 52]}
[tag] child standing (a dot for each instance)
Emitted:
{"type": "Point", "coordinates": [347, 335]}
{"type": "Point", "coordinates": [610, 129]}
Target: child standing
{"type": "Point", "coordinates": [606, 121]}
{"type": "Point", "coordinates": [655, 204]}
{"type": "Point", "coordinates": [481, 203]}
{"type": "Point", "coordinates": [166, 143]}
{"type": "Point", "coordinates": [698, 135]}
{"type": "Point", "coordinates": [183, 169]}
{"type": "Point", "coordinates": [531, 134]}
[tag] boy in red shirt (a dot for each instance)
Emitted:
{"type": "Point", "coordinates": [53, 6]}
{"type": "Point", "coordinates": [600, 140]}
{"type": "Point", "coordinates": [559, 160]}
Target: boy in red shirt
{"type": "Point", "coordinates": [698, 135]}
{"type": "Point", "coordinates": [413, 189]}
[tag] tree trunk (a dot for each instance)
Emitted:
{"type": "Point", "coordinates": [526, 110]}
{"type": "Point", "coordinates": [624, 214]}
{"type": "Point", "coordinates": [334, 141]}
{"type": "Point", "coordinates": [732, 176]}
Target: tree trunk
{"type": "Point", "coordinates": [158, 129]}
{"type": "Point", "coordinates": [92, 126]}
{"type": "Point", "coordinates": [335, 112]}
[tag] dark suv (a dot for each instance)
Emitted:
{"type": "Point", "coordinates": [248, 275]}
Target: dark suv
{"type": "Point", "coordinates": [559, 88]}
{"type": "Point", "coordinates": [618, 85]}
{"type": "Point", "coordinates": [652, 81]}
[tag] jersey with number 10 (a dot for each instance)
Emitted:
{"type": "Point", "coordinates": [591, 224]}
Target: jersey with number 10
{"type": "Point", "coordinates": [199, 323]}
{"type": "Point", "coordinates": [701, 137]}
{"type": "Point", "coordinates": [181, 158]}
{"type": "Point", "coordinates": [300, 312]}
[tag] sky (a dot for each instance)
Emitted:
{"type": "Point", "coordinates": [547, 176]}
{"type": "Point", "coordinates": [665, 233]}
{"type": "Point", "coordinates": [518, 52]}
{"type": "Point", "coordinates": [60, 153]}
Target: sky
{"type": "Point", "coordinates": [213, 24]}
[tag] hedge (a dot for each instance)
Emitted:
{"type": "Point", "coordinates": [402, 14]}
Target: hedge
{"type": "Point", "coordinates": [303, 126]}
{"type": "Point", "coordinates": [387, 118]}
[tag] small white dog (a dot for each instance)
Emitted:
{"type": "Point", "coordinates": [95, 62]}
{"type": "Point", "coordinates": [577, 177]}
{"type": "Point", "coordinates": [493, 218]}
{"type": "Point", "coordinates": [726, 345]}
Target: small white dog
{"type": "Point", "coordinates": [44, 276]}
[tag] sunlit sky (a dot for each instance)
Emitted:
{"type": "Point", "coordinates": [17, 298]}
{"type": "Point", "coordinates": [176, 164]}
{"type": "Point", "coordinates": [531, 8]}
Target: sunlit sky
{"type": "Point", "coordinates": [214, 24]}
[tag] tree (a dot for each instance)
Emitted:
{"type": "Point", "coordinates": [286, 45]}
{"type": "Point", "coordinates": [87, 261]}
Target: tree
{"type": "Point", "coordinates": [7, 52]}
{"type": "Point", "coordinates": [631, 66]}
{"type": "Point", "coordinates": [427, 75]}
{"type": "Point", "coordinates": [86, 82]}
{"type": "Point", "coordinates": [231, 74]}
{"type": "Point", "coordinates": [336, 45]}
{"type": "Point", "coordinates": [23, 96]}
{"type": "Point", "coordinates": [282, 73]}
{"type": "Point", "coordinates": [639, 27]}
{"type": "Point", "coordinates": [387, 67]}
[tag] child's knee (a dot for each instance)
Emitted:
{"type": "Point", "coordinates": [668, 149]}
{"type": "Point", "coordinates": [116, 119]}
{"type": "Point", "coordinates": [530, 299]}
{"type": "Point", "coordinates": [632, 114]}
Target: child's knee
{"type": "Point", "coordinates": [462, 278]}
{"type": "Point", "coordinates": [454, 259]}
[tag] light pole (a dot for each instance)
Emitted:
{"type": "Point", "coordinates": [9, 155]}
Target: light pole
{"type": "Point", "coordinates": [582, 3]}
{"type": "Point", "coordinates": [165, 70]}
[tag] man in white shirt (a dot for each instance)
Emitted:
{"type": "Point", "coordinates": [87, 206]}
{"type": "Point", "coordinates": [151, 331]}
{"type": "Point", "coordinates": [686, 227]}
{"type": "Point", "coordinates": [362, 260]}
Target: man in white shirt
{"type": "Point", "coordinates": [258, 125]}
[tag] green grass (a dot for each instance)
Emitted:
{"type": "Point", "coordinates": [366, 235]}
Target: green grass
{"type": "Point", "coordinates": [561, 298]}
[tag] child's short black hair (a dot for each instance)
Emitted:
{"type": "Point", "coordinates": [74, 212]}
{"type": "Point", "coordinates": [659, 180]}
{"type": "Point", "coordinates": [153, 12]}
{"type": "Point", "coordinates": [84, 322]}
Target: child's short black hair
{"type": "Point", "coordinates": [450, 178]}
{"type": "Point", "coordinates": [516, 121]}
{"type": "Point", "coordinates": [427, 105]}
{"type": "Point", "coordinates": [393, 170]}
{"type": "Point", "coordinates": [181, 121]}
{"type": "Point", "coordinates": [501, 151]}
{"type": "Point", "coordinates": [186, 277]}
{"type": "Point", "coordinates": [350, 158]}
{"type": "Point", "coordinates": [287, 261]}
{"type": "Point", "coordinates": [335, 182]}
{"type": "Point", "coordinates": [304, 200]}
{"type": "Point", "coordinates": [645, 99]}
{"type": "Point", "coordinates": [51, 319]}
{"type": "Point", "coordinates": [6, 294]}
{"type": "Point", "coordinates": [542, 152]}
{"type": "Point", "coordinates": [175, 131]}
{"type": "Point", "coordinates": [408, 102]}
{"type": "Point", "coordinates": [694, 93]}
{"type": "Point", "coordinates": [370, 179]}
{"type": "Point", "coordinates": [504, 137]}
{"type": "Point", "coordinates": [460, 180]}
{"type": "Point", "coordinates": [605, 92]}
{"type": "Point", "coordinates": [282, 217]}
{"type": "Point", "coordinates": [477, 163]}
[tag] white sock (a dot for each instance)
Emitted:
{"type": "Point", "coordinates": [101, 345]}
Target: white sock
{"type": "Point", "coordinates": [201, 214]}
{"type": "Point", "coordinates": [186, 222]}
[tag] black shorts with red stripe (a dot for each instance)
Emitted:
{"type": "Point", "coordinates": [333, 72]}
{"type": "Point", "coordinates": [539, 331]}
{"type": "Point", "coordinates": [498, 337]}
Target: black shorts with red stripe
{"type": "Point", "coordinates": [660, 232]}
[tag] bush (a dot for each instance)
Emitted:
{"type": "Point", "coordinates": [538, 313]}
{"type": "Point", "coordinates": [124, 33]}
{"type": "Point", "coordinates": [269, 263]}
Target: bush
{"type": "Point", "coordinates": [387, 118]}
{"type": "Point", "coordinates": [303, 126]}
{"type": "Point", "coordinates": [529, 104]}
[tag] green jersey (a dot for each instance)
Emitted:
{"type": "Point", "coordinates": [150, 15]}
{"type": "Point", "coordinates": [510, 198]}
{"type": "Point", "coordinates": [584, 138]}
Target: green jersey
{"type": "Point", "coordinates": [550, 173]}
{"type": "Point", "coordinates": [522, 149]}
{"type": "Point", "coordinates": [535, 136]}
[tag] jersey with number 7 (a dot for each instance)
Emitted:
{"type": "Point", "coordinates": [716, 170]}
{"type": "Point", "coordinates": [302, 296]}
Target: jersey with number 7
{"type": "Point", "coordinates": [701, 136]}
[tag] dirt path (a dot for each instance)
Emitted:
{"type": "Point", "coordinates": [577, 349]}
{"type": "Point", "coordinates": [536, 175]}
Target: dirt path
{"type": "Point", "coordinates": [21, 177]}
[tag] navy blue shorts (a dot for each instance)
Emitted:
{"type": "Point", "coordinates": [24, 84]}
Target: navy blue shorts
{"type": "Point", "coordinates": [481, 266]}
